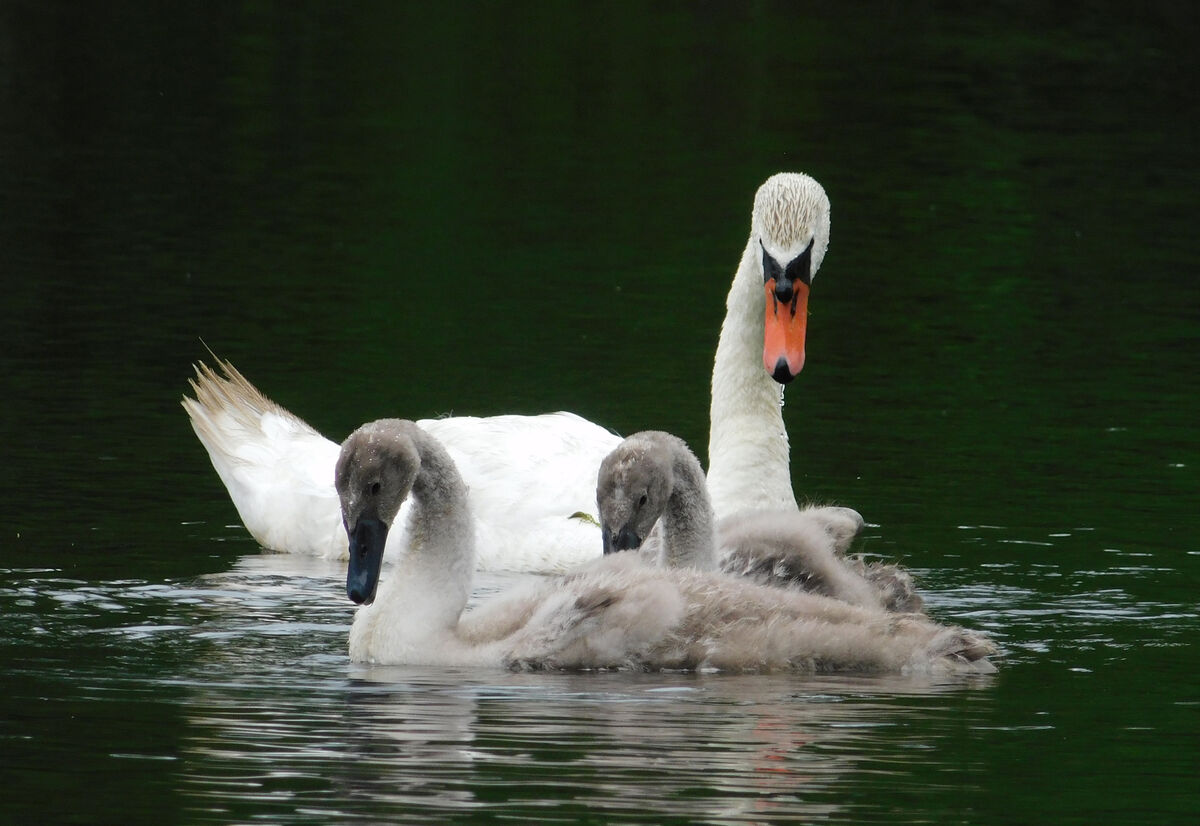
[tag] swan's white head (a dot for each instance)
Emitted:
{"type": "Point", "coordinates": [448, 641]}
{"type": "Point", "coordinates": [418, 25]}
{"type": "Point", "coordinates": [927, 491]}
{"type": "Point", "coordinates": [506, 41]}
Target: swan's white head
{"type": "Point", "coordinates": [632, 489]}
{"type": "Point", "coordinates": [789, 233]}
{"type": "Point", "coordinates": [375, 472]}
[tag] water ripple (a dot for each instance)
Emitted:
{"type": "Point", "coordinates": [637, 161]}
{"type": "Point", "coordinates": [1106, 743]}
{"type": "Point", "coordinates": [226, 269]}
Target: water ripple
{"type": "Point", "coordinates": [278, 723]}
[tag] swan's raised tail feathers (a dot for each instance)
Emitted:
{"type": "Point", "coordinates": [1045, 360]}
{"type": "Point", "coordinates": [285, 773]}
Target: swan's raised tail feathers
{"type": "Point", "coordinates": [231, 395]}
{"type": "Point", "coordinates": [277, 469]}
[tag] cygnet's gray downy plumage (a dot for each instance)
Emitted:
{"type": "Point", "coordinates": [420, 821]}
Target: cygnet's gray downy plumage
{"type": "Point", "coordinates": [654, 474]}
{"type": "Point", "coordinates": [618, 612]}
{"type": "Point", "coordinates": [806, 549]}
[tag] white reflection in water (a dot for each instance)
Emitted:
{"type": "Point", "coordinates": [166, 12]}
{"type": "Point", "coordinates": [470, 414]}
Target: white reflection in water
{"type": "Point", "coordinates": [441, 741]}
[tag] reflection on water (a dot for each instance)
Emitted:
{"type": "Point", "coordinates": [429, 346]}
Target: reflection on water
{"type": "Point", "coordinates": [277, 724]}
{"type": "Point", "coordinates": [539, 745]}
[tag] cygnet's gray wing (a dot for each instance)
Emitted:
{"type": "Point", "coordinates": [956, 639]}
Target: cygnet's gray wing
{"type": "Point", "coordinates": [844, 525]}
{"type": "Point", "coordinates": [805, 550]}
{"type": "Point", "coordinates": [739, 625]}
{"type": "Point", "coordinates": [892, 583]}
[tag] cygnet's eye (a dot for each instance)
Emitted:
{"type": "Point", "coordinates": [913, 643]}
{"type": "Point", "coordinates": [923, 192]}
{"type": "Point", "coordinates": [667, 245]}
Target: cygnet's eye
{"type": "Point", "coordinates": [374, 489]}
{"type": "Point", "coordinates": [642, 501]}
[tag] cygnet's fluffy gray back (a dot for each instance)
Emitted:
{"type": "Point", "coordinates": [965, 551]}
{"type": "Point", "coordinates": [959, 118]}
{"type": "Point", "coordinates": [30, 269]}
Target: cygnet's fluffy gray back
{"type": "Point", "coordinates": [624, 613]}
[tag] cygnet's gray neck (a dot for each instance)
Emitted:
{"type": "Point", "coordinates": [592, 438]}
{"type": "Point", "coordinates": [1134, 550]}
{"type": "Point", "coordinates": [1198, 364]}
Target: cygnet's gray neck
{"type": "Point", "coordinates": [432, 580]}
{"type": "Point", "coordinates": [689, 540]}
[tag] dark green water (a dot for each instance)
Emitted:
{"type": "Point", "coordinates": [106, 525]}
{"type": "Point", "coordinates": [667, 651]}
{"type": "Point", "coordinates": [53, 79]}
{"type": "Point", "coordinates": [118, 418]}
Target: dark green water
{"type": "Point", "coordinates": [394, 209]}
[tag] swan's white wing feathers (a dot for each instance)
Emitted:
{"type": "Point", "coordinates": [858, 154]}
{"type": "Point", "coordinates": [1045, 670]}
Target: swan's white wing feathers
{"type": "Point", "coordinates": [527, 475]}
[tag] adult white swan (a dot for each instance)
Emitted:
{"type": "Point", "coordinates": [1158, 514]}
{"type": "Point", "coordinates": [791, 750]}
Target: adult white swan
{"type": "Point", "coordinates": [529, 475]}
{"type": "Point", "coordinates": [616, 612]}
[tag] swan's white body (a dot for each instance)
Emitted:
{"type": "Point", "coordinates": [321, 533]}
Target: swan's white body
{"type": "Point", "coordinates": [616, 612]}
{"type": "Point", "coordinates": [279, 472]}
{"type": "Point", "coordinates": [528, 476]}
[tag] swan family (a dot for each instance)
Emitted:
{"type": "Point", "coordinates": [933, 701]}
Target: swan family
{"type": "Point", "coordinates": [619, 612]}
{"type": "Point", "coordinates": [688, 571]}
{"type": "Point", "coordinates": [528, 475]}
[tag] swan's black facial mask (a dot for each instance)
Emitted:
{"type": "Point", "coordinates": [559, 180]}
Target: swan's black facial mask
{"type": "Point", "coordinates": [799, 269]}
{"type": "Point", "coordinates": [367, 541]}
{"type": "Point", "coordinates": [787, 313]}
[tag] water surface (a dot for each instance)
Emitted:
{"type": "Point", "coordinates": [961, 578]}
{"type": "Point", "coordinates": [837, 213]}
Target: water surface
{"type": "Point", "coordinates": [398, 210]}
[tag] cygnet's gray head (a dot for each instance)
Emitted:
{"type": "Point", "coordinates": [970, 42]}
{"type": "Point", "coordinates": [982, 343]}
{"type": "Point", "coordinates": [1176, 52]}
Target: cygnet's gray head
{"type": "Point", "coordinates": [632, 489]}
{"type": "Point", "coordinates": [375, 472]}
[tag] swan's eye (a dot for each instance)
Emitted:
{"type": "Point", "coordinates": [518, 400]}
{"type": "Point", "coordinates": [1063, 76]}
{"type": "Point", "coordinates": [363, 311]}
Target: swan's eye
{"type": "Point", "coordinates": [374, 488]}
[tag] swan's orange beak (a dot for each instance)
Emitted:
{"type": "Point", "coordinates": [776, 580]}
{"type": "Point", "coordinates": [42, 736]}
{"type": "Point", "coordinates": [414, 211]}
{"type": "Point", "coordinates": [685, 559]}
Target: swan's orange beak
{"type": "Point", "coordinates": [783, 342]}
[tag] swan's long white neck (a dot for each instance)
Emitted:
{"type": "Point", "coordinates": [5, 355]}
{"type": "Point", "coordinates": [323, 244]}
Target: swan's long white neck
{"type": "Point", "coordinates": [423, 594]}
{"type": "Point", "coordinates": [748, 443]}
